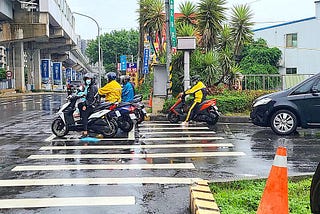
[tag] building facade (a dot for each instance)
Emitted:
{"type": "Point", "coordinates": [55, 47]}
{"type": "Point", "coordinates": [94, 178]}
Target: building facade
{"type": "Point", "coordinates": [299, 42]}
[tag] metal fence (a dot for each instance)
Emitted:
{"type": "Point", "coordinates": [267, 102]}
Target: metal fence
{"type": "Point", "coordinates": [272, 81]}
{"type": "Point", "coordinates": [7, 84]}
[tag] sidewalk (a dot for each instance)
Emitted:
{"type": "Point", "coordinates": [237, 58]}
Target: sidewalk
{"type": "Point", "coordinates": [222, 119]}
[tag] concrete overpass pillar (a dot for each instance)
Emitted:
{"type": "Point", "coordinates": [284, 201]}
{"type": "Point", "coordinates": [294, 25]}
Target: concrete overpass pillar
{"type": "Point", "coordinates": [37, 70]}
{"type": "Point", "coordinates": [19, 66]}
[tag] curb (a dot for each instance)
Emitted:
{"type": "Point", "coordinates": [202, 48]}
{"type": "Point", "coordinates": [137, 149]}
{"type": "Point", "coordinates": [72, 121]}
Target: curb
{"type": "Point", "coordinates": [201, 199]}
{"type": "Point", "coordinates": [222, 119]}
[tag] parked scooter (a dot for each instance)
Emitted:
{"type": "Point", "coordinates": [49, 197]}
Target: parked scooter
{"type": "Point", "coordinates": [140, 108]}
{"type": "Point", "coordinates": [100, 121]}
{"type": "Point", "coordinates": [207, 111]}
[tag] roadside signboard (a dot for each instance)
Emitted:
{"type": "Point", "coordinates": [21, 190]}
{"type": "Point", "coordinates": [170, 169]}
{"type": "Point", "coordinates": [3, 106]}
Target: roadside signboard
{"type": "Point", "coordinates": [123, 62]}
{"type": "Point", "coordinates": [68, 75]}
{"type": "Point", "coordinates": [173, 33]}
{"type": "Point", "coordinates": [146, 56]}
{"type": "Point", "coordinates": [132, 72]}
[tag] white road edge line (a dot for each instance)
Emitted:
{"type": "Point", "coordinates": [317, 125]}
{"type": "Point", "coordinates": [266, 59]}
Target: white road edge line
{"type": "Point", "coordinates": [96, 181]}
{"type": "Point", "coordinates": [155, 155]}
{"type": "Point", "coordinates": [137, 146]}
{"type": "Point", "coordinates": [182, 132]}
{"type": "Point", "coordinates": [63, 202]}
{"type": "Point", "coordinates": [103, 167]}
{"type": "Point", "coordinates": [174, 128]}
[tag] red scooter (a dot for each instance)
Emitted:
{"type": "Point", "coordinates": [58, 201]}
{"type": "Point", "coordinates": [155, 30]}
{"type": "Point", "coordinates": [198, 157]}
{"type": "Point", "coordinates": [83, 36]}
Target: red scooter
{"type": "Point", "coordinates": [207, 111]}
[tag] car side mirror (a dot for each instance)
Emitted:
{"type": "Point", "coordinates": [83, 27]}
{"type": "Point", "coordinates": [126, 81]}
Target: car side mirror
{"type": "Point", "coordinates": [314, 90]}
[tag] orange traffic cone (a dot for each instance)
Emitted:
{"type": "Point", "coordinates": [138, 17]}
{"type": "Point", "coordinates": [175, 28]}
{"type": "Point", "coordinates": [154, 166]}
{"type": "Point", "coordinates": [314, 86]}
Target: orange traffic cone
{"type": "Point", "coordinates": [150, 101]}
{"type": "Point", "coordinates": [275, 195]}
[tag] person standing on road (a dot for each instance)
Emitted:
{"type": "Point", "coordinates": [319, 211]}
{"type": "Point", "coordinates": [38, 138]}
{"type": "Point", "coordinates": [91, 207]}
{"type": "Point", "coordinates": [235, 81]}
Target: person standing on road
{"type": "Point", "coordinates": [127, 89]}
{"type": "Point", "coordinates": [86, 107]}
{"type": "Point", "coordinates": [199, 91]}
{"type": "Point", "coordinates": [112, 90]}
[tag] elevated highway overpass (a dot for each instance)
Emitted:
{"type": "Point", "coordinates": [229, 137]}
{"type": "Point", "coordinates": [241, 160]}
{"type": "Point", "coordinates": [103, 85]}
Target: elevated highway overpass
{"type": "Point", "coordinates": [32, 30]}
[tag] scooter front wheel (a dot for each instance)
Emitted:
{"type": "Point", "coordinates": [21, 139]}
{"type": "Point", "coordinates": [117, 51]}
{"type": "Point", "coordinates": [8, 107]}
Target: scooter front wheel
{"type": "Point", "coordinates": [173, 118]}
{"type": "Point", "coordinates": [125, 124]}
{"type": "Point", "coordinates": [59, 128]}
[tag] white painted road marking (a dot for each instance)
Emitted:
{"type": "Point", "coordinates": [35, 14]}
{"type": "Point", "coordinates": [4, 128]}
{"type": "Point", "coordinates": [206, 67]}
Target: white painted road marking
{"type": "Point", "coordinates": [104, 167]}
{"type": "Point", "coordinates": [174, 128]}
{"type": "Point", "coordinates": [131, 133]}
{"type": "Point", "coordinates": [180, 138]}
{"type": "Point", "coordinates": [181, 132]}
{"type": "Point", "coordinates": [59, 202]}
{"type": "Point", "coordinates": [100, 139]}
{"type": "Point", "coordinates": [156, 155]}
{"type": "Point", "coordinates": [138, 146]}
{"type": "Point", "coordinates": [50, 138]}
{"type": "Point", "coordinates": [97, 181]}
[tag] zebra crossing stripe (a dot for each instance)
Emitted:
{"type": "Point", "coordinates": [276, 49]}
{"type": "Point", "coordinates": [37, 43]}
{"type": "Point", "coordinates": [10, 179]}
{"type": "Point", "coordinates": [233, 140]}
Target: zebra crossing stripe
{"type": "Point", "coordinates": [180, 138]}
{"type": "Point", "coordinates": [103, 167]}
{"type": "Point", "coordinates": [173, 128]}
{"type": "Point", "coordinates": [155, 155]}
{"type": "Point", "coordinates": [96, 181]}
{"type": "Point", "coordinates": [100, 139]}
{"type": "Point", "coordinates": [157, 146]}
{"type": "Point", "coordinates": [181, 132]}
{"type": "Point", "coordinates": [63, 202]}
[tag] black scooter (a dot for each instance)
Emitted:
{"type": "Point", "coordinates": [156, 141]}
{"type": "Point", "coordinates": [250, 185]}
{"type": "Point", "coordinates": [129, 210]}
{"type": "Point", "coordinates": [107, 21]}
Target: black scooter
{"type": "Point", "coordinates": [100, 121]}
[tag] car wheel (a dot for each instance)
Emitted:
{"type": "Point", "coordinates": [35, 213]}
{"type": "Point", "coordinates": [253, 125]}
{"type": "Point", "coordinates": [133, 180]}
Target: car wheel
{"type": "Point", "coordinates": [284, 122]}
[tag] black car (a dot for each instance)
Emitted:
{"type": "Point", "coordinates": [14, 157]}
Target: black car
{"type": "Point", "coordinates": [284, 111]}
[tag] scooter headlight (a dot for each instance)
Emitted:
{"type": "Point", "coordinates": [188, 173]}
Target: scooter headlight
{"type": "Point", "coordinates": [262, 102]}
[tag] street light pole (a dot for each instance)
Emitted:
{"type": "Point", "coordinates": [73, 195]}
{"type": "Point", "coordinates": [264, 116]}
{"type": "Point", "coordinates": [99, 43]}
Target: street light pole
{"type": "Point", "coordinates": [99, 45]}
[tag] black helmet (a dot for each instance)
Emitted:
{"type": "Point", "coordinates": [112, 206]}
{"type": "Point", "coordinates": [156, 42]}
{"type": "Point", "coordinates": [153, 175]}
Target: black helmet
{"type": "Point", "coordinates": [195, 78]}
{"type": "Point", "coordinates": [111, 76]}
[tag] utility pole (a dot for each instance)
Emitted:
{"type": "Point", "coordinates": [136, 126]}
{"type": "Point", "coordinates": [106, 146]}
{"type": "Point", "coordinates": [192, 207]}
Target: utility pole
{"type": "Point", "coordinates": [168, 48]}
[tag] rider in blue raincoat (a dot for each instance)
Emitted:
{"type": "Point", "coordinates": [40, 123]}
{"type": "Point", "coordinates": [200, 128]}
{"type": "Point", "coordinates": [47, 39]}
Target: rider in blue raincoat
{"type": "Point", "coordinates": [127, 89]}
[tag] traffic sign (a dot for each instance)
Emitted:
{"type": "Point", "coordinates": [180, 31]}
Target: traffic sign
{"type": "Point", "coordinates": [123, 62]}
{"type": "Point", "coordinates": [9, 74]}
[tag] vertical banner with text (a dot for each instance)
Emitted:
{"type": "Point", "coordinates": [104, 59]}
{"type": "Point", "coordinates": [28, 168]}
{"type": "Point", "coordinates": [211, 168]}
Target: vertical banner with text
{"type": "Point", "coordinates": [68, 75]}
{"type": "Point", "coordinates": [173, 33]}
{"type": "Point", "coordinates": [146, 55]}
{"type": "Point", "coordinates": [57, 71]}
{"type": "Point", "coordinates": [45, 71]}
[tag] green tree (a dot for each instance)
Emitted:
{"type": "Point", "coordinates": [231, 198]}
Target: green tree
{"type": "Point", "coordinates": [114, 44]}
{"type": "Point", "coordinates": [210, 15]}
{"type": "Point", "coordinates": [184, 29]}
{"type": "Point", "coordinates": [2, 74]}
{"type": "Point", "coordinates": [188, 10]}
{"type": "Point", "coordinates": [258, 58]}
{"type": "Point", "coordinates": [152, 19]}
{"type": "Point", "coordinates": [241, 23]}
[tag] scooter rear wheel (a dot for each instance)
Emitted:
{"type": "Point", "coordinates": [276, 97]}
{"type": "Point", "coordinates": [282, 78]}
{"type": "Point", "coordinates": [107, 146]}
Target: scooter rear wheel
{"type": "Point", "coordinates": [125, 124]}
{"type": "Point", "coordinates": [213, 119]}
{"type": "Point", "coordinates": [111, 131]}
{"type": "Point", "coordinates": [173, 118]}
{"type": "Point", "coordinates": [59, 128]}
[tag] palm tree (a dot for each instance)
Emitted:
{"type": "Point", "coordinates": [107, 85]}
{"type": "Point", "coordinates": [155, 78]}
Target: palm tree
{"type": "Point", "coordinates": [211, 14]}
{"type": "Point", "coordinates": [184, 29]}
{"type": "Point", "coordinates": [152, 19]}
{"type": "Point", "coordinates": [188, 10]}
{"type": "Point", "coordinates": [241, 27]}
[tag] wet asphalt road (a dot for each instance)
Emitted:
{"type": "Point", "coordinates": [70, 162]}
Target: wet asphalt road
{"type": "Point", "coordinates": [25, 129]}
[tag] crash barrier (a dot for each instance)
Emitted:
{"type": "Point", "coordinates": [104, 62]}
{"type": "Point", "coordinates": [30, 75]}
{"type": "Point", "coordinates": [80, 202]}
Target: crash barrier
{"type": "Point", "coordinates": [275, 195]}
{"type": "Point", "coordinates": [201, 199]}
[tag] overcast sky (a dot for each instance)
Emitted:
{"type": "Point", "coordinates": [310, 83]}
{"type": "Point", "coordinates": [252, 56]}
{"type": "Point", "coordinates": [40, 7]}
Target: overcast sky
{"type": "Point", "coordinates": [121, 14]}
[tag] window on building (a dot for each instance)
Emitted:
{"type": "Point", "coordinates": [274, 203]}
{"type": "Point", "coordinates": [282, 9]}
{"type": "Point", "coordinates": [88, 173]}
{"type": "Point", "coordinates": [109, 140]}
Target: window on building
{"type": "Point", "coordinates": [291, 40]}
{"type": "Point", "coordinates": [291, 70]}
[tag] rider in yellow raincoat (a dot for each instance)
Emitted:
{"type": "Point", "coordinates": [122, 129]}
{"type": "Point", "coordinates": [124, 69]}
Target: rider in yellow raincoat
{"type": "Point", "coordinates": [112, 90]}
{"type": "Point", "coordinates": [199, 91]}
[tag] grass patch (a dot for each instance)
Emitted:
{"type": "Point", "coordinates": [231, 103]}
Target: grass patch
{"type": "Point", "coordinates": [243, 197]}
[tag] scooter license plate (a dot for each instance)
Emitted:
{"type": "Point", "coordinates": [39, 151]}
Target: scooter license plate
{"type": "Point", "coordinates": [144, 111]}
{"type": "Point", "coordinates": [118, 113]}
{"type": "Point", "coordinates": [132, 116]}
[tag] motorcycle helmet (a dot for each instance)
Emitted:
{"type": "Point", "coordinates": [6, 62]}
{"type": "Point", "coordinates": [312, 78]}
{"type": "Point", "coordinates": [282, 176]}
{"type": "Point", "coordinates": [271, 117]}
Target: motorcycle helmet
{"type": "Point", "coordinates": [111, 76]}
{"type": "Point", "coordinates": [89, 76]}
